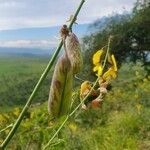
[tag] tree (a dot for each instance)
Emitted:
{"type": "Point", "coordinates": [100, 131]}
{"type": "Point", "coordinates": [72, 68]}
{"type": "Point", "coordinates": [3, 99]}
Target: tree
{"type": "Point", "coordinates": [131, 36]}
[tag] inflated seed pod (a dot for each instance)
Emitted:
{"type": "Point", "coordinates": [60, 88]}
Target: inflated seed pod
{"type": "Point", "coordinates": [74, 52]}
{"type": "Point", "coordinates": [61, 88]}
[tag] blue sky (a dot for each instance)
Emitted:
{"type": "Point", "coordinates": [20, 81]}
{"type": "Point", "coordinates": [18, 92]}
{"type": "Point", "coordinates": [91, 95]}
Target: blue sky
{"type": "Point", "coordinates": [34, 23]}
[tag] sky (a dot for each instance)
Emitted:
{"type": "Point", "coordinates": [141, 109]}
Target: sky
{"type": "Point", "coordinates": [19, 19]}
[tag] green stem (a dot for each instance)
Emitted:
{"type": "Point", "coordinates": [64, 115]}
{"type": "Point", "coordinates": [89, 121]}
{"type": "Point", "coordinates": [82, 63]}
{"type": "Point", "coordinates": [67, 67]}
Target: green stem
{"type": "Point", "coordinates": [107, 51]}
{"type": "Point", "coordinates": [76, 14]}
{"type": "Point", "coordinates": [9, 126]}
{"type": "Point", "coordinates": [78, 78]}
{"type": "Point", "coordinates": [67, 118]}
{"type": "Point", "coordinates": [55, 134]}
{"type": "Point", "coordinates": [39, 83]}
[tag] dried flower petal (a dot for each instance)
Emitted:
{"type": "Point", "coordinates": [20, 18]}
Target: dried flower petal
{"type": "Point", "coordinates": [103, 90]}
{"type": "Point", "coordinates": [104, 85]}
{"type": "Point", "coordinates": [96, 103]}
{"type": "Point", "coordinates": [84, 107]}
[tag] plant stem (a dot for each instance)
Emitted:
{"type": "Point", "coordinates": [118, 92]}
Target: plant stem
{"type": "Point", "coordinates": [9, 126]}
{"type": "Point", "coordinates": [107, 51]}
{"type": "Point", "coordinates": [39, 83]}
{"type": "Point", "coordinates": [78, 78]}
{"type": "Point", "coordinates": [69, 115]}
{"type": "Point", "coordinates": [76, 14]}
{"type": "Point", "coordinates": [55, 134]}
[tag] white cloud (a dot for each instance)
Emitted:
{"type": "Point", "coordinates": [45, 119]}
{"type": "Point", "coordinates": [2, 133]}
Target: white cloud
{"type": "Point", "coordinates": [40, 13]}
{"type": "Point", "coordinates": [42, 44]}
{"type": "Point", "coordinates": [15, 14]}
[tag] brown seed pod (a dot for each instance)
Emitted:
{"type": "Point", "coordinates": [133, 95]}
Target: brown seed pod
{"type": "Point", "coordinates": [74, 52]}
{"type": "Point", "coordinates": [61, 88]}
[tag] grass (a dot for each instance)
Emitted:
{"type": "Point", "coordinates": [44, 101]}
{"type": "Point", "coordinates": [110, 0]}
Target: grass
{"type": "Point", "coordinates": [13, 65]}
{"type": "Point", "coordinates": [122, 123]}
{"type": "Point", "coordinates": [18, 76]}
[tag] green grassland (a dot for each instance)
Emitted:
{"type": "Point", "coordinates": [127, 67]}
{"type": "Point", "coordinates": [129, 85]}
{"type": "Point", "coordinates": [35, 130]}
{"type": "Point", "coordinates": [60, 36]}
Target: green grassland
{"type": "Point", "coordinates": [18, 76]}
{"type": "Point", "coordinates": [123, 122]}
{"type": "Point", "coordinates": [13, 65]}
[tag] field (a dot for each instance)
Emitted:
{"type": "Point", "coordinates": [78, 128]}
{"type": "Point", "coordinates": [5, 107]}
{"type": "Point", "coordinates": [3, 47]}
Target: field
{"type": "Point", "coordinates": [122, 123]}
{"type": "Point", "coordinates": [18, 76]}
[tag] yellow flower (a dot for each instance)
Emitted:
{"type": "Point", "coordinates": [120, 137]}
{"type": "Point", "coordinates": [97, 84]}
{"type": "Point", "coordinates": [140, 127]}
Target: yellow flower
{"type": "Point", "coordinates": [85, 89]}
{"type": "Point", "coordinates": [85, 86]}
{"type": "Point", "coordinates": [114, 62]}
{"type": "Point", "coordinates": [109, 59]}
{"type": "Point", "coordinates": [98, 68]}
{"type": "Point", "coordinates": [97, 57]}
{"type": "Point", "coordinates": [111, 73]}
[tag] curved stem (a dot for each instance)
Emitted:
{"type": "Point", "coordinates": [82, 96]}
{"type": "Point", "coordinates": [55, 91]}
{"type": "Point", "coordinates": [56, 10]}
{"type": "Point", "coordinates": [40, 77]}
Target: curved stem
{"type": "Point", "coordinates": [76, 77]}
{"type": "Point", "coordinates": [39, 83]}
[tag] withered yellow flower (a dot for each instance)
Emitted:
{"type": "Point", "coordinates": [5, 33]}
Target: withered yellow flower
{"type": "Point", "coordinates": [85, 87]}
{"type": "Point", "coordinates": [97, 57]}
{"type": "Point", "coordinates": [111, 73]}
{"type": "Point", "coordinates": [99, 69]}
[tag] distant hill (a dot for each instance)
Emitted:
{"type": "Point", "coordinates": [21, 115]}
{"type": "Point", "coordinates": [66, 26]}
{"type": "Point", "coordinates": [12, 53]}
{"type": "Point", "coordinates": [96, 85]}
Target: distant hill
{"type": "Point", "coordinates": [25, 51]}
{"type": "Point", "coordinates": [37, 33]}
{"type": "Point", "coordinates": [34, 35]}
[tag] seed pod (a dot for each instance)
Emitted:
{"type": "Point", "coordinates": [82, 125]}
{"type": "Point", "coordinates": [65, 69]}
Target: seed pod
{"type": "Point", "coordinates": [74, 52]}
{"type": "Point", "coordinates": [61, 88]}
